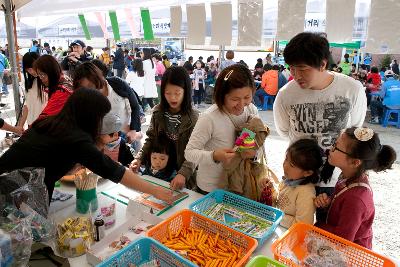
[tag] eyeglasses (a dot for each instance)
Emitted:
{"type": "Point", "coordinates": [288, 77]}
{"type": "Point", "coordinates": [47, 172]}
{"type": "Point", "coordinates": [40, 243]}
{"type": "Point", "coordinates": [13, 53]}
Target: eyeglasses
{"type": "Point", "coordinates": [335, 148]}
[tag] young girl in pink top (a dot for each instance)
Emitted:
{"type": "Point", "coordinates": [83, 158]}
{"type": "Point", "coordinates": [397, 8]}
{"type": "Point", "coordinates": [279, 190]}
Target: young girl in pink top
{"type": "Point", "coordinates": [351, 208]}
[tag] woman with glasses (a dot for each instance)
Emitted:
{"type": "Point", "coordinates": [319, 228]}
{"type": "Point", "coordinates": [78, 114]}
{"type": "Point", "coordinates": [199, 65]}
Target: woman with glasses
{"type": "Point", "coordinates": [351, 208]}
{"type": "Point", "coordinates": [52, 80]}
{"type": "Point", "coordinates": [213, 137]}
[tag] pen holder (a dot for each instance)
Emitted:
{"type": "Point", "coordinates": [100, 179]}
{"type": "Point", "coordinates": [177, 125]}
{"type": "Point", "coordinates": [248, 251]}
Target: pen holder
{"type": "Point", "coordinates": [86, 199]}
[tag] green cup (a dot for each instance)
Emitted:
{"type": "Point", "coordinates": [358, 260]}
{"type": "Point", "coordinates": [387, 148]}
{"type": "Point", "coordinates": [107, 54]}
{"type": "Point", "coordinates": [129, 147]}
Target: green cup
{"type": "Point", "coordinates": [86, 199]}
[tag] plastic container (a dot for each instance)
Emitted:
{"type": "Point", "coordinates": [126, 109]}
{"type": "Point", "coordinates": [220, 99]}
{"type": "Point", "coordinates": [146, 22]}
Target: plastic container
{"type": "Point", "coordinates": [86, 199]}
{"type": "Point", "coordinates": [262, 261]}
{"type": "Point", "coordinates": [252, 207]}
{"type": "Point", "coordinates": [143, 250]}
{"type": "Point", "coordinates": [188, 218]}
{"type": "Point", "coordinates": [356, 255]}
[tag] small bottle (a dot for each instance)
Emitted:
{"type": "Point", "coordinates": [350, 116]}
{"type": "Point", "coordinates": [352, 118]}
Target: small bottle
{"type": "Point", "coordinates": [99, 228]}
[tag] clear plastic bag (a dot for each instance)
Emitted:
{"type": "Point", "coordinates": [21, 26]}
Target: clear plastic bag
{"type": "Point", "coordinates": [25, 185]}
{"type": "Point", "coordinates": [74, 236]}
{"type": "Point", "coordinates": [21, 239]}
{"type": "Point", "coordinates": [107, 210]}
{"type": "Point", "coordinates": [24, 208]}
{"type": "Point", "coordinates": [322, 252]}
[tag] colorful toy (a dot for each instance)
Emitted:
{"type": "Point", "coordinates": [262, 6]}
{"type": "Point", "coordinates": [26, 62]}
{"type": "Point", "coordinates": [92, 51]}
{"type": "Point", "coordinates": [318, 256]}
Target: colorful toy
{"type": "Point", "coordinates": [245, 141]}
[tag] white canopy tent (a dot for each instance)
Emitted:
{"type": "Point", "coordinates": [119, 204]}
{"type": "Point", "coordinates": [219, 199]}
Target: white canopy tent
{"type": "Point", "coordinates": [46, 8]}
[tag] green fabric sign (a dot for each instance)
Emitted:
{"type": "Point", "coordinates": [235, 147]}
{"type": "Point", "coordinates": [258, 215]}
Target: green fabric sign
{"type": "Point", "coordinates": [147, 27]}
{"type": "Point", "coordinates": [353, 45]}
{"type": "Point", "coordinates": [114, 24]}
{"type": "Point", "coordinates": [84, 26]}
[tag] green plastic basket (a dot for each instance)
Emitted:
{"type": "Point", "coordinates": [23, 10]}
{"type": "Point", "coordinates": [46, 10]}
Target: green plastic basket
{"type": "Point", "coordinates": [262, 261]}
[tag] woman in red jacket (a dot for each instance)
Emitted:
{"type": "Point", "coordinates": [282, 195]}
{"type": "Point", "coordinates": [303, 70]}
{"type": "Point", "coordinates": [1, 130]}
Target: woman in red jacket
{"type": "Point", "coordinates": [374, 80]}
{"type": "Point", "coordinates": [51, 79]}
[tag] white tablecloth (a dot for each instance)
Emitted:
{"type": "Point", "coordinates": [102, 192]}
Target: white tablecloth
{"type": "Point", "coordinates": [67, 209]}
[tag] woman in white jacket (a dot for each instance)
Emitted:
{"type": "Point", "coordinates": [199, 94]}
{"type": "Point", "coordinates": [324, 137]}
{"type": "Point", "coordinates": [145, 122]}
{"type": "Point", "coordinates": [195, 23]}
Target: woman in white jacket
{"type": "Point", "coordinates": [213, 138]}
{"type": "Point", "coordinates": [150, 88]}
{"type": "Point", "coordinates": [135, 77]}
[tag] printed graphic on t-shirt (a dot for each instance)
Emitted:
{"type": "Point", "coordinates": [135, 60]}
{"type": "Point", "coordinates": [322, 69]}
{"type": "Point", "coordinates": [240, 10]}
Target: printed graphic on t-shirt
{"type": "Point", "coordinates": [173, 122]}
{"type": "Point", "coordinates": [322, 120]}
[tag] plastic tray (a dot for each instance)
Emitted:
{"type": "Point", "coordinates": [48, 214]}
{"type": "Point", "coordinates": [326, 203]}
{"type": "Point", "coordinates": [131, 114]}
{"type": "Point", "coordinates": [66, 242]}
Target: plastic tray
{"type": "Point", "coordinates": [356, 254]}
{"type": "Point", "coordinates": [252, 207]}
{"type": "Point", "coordinates": [188, 218]}
{"type": "Point", "coordinates": [143, 250]}
{"type": "Point", "coordinates": [262, 261]}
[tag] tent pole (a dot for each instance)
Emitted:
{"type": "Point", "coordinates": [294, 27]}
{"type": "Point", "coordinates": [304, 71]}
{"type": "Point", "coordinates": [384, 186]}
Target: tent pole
{"type": "Point", "coordinates": [12, 54]}
{"type": "Point", "coordinates": [221, 54]}
{"type": "Point", "coordinates": [16, 43]}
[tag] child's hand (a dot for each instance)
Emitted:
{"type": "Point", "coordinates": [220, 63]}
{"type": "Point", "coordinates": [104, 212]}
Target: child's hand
{"type": "Point", "coordinates": [178, 182]}
{"type": "Point", "coordinates": [135, 165]}
{"type": "Point", "coordinates": [131, 135]}
{"type": "Point", "coordinates": [264, 182]}
{"type": "Point", "coordinates": [322, 201]}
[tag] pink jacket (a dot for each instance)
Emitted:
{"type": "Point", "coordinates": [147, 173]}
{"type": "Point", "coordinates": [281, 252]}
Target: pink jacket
{"type": "Point", "coordinates": [160, 69]}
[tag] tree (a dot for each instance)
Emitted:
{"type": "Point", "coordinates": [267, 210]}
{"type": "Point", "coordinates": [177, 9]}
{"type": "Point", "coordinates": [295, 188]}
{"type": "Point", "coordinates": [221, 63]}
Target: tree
{"type": "Point", "coordinates": [385, 61]}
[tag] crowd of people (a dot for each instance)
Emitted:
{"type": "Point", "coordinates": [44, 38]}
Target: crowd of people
{"type": "Point", "coordinates": [382, 86]}
{"type": "Point", "coordinates": [84, 112]}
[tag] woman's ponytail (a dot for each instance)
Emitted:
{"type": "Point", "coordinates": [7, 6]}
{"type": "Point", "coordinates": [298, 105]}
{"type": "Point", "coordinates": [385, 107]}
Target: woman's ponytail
{"type": "Point", "coordinates": [385, 158]}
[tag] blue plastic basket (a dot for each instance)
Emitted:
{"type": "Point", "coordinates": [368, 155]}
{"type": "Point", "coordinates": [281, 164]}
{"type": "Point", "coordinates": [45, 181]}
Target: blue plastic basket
{"type": "Point", "coordinates": [252, 207]}
{"type": "Point", "coordinates": [143, 250]}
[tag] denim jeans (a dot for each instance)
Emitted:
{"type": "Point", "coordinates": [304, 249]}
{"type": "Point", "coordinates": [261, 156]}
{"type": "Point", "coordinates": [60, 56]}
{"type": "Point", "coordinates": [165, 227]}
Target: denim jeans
{"type": "Point", "coordinates": [259, 97]}
{"type": "Point", "coordinates": [3, 85]}
{"type": "Point", "coordinates": [376, 107]}
{"type": "Point", "coordinates": [118, 73]}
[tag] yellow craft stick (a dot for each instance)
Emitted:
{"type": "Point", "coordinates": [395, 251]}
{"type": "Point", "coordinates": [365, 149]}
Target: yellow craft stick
{"type": "Point", "coordinates": [216, 238]}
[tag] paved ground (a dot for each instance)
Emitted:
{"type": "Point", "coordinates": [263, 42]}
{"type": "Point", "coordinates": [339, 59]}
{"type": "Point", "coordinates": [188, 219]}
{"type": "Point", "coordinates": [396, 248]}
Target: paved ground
{"type": "Point", "coordinates": [385, 185]}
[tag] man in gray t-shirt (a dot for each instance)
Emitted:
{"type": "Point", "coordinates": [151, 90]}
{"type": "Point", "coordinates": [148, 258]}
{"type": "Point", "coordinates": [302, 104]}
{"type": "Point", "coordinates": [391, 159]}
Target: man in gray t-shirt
{"type": "Point", "coordinates": [317, 103]}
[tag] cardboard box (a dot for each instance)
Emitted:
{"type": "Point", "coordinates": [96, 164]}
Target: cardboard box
{"type": "Point", "coordinates": [101, 250]}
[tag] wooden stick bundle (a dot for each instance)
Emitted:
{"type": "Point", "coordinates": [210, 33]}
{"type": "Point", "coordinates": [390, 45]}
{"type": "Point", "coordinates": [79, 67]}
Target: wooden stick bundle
{"type": "Point", "coordinates": [85, 181]}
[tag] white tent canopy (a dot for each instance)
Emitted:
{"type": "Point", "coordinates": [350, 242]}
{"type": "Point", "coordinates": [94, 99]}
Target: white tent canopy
{"type": "Point", "coordinates": [18, 3]}
{"type": "Point", "coordinates": [62, 7]}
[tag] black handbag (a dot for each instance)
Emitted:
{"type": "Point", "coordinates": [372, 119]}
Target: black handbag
{"type": "Point", "coordinates": [7, 78]}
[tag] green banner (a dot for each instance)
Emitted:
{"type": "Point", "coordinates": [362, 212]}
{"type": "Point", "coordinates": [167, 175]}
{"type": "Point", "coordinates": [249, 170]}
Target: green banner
{"type": "Point", "coordinates": [147, 27]}
{"type": "Point", "coordinates": [114, 24]}
{"type": "Point", "coordinates": [84, 26]}
{"type": "Point", "coordinates": [352, 45]}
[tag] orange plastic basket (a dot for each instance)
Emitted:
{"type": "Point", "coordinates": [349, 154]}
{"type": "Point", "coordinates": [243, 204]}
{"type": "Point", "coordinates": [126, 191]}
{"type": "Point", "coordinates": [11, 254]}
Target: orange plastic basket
{"type": "Point", "coordinates": [356, 254]}
{"type": "Point", "coordinates": [188, 218]}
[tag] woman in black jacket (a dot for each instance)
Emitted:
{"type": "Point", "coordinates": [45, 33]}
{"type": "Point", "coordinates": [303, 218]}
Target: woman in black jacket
{"type": "Point", "coordinates": [57, 143]}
